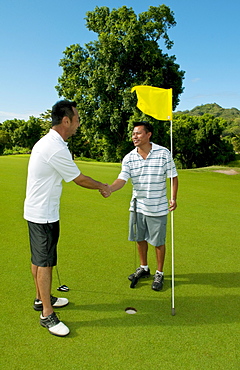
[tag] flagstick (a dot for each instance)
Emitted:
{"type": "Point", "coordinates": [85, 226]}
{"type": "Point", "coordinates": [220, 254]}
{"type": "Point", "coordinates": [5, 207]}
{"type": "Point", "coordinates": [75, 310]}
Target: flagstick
{"type": "Point", "coordinates": [172, 224]}
{"type": "Point", "coordinates": [172, 234]}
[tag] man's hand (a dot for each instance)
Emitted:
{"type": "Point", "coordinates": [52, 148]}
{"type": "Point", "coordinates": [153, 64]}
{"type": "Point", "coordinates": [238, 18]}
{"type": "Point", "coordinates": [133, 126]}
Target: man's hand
{"type": "Point", "coordinates": [172, 205]}
{"type": "Point", "coordinates": [105, 191]}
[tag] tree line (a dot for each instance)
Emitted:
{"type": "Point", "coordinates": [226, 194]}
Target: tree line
{"type": "Point", "coordinates": [231, 131]}
{"type": "Point", "coordinates": [99, 77]}
{"type": "Point", "coordinates": [198, 140]}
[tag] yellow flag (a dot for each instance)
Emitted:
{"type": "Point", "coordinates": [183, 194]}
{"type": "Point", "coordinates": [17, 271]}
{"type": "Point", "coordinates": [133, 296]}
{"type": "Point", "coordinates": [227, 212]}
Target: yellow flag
{"type": "Point", "coordinates": [154, 101]}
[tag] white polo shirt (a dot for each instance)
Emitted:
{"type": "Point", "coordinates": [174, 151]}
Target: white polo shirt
{"type": "Point", "coordinates": [50, 163]}
{"type": "Point", "coordinates": [148, 178]}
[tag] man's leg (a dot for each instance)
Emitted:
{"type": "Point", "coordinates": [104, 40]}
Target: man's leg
{"type": "Point", "coordinates": [143, 270]}
{"type": "Point", "coordinates": [43, 242]}
{"type": "Point", "coordinates": [142, 245]}
{"type": "Point", "coordinates": [159, 277]}
{"type": "Point", "coordinates": [142, 251]}
{"type": "Point", "coordinates": [48, 318]}
{"type": "Point", "coordinates": [160, 255]}
{"type": "Point", "coordinates": [44, 283]}
{"type": "Point", "coordinates": [34, 269]}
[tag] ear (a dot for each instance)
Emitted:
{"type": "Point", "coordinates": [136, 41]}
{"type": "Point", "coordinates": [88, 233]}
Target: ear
{"type": "Point", "coordinates": [65, 121]}
{"type": "Point", "coordinates": [149, 135]}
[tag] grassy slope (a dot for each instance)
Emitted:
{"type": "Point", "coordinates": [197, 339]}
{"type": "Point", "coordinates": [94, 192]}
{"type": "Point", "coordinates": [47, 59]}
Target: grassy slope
{"type": "Point", "coordinates": [94, 260]}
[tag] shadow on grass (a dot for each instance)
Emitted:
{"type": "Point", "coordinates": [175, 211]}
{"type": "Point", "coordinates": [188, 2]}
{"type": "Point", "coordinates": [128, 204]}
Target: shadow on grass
{"type": "Point", "coordinates": [195, 308]}
{"type": "Point", "coordinates": [190, 311]}
{"type": "Point", "coordinates": [219, 280]}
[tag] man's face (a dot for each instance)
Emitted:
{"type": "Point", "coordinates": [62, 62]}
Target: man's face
{"type": "Point", "coordinates": [140, 137]}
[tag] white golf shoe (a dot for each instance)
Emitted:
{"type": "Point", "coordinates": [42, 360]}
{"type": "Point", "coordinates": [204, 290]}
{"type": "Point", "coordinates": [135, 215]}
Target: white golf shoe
{"type": "Point", "coordinates": [54, 325]}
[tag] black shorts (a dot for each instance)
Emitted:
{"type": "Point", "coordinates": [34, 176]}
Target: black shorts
{"type": "Point", "coordinates": [43, 243]}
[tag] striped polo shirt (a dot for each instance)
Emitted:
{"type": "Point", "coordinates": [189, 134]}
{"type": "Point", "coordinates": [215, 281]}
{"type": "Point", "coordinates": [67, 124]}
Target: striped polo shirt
{"type": "Point", "coordinates": [148, 178]}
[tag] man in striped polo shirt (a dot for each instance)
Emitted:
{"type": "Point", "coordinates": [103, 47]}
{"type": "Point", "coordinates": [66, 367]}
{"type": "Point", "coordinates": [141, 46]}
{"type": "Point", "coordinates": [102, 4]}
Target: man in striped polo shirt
{"type": "Point", "coordinates": [148, 165]}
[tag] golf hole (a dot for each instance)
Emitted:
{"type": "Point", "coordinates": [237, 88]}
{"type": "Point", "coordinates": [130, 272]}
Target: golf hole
{"type": "Point", "coordinates": [130, 310]}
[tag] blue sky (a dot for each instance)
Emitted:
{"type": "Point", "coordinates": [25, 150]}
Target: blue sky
{"type": "Point", "coordinates": [34, 35]}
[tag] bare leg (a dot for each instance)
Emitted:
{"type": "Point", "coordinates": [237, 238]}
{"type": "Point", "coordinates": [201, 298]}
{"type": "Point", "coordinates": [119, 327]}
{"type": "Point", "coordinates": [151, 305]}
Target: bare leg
{"type": "Point", "coordinates": [44, 283]}
{"type": "Point", "coordinates": [142, 250]}
{"type": "Point", "coordinates": [160, 255]}
{"type": "Point", "coordinates": [34, 269]}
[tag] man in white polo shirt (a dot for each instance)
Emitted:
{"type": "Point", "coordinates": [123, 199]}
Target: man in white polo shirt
{"type": "Point", "coordinates": [49, 164]}
{"type": "Point", "coordinates": [148, 166]}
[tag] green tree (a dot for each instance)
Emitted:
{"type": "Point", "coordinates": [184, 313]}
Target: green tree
{"type": "Point", "coordinates": [28, 133]}
{"type": "Point", "coordinates": [9, 127]}
{"type": "Point", "coordinates": [3, 140]}
{"type": "Point", "coordinates": [232, 132]}
{"type": "Point", "coordinates": [232, 117]}
{"type": "Point", "coordinates": [99, 77]}
{"type": "Point", "coordinates": [198, 141]}
{"type": "Point", "coordinates": [184, 139]}
{"type": "Point", "coordinates": [21, 134]}
{"type": "Point", "coordinates": [46, 121]}
{"type": "Point", "coordinates": [211, 148]}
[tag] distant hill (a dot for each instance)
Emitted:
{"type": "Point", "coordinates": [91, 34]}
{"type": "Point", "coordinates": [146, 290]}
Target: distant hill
{"type": "Point", "coordinates": [213, 109]}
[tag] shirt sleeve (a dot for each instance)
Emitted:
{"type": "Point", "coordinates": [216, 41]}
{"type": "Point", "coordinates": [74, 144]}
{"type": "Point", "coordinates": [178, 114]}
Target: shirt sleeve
{"type": "Point", "coordinates": [63, 163]}
{"type": "Point", "coordinates": [125, 171]}
{"type": "Point", "coordinates": [171, 168]}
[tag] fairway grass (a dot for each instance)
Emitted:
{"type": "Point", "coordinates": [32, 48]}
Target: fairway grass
{"type": "Point", "coordinates": [95, 259]}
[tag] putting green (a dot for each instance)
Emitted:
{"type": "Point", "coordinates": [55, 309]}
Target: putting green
{"type": "Point", "coordinates": [95, 259]}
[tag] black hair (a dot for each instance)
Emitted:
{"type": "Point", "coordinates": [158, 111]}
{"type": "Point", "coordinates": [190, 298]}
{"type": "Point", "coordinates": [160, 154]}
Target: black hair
{"type": "Point", "coordinates": [147, 126]}
{"type": "Point", "coordinates": [63, 108]}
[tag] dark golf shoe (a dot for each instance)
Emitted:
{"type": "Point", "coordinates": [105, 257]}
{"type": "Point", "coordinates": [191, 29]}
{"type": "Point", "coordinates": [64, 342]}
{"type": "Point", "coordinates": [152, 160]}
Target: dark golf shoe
{"type": "Point", "coordinates": [55, 302]}
{"type": "Point", "coordinates": [158, 282]}
{"type": "Point", "coordinates": [138, 274]}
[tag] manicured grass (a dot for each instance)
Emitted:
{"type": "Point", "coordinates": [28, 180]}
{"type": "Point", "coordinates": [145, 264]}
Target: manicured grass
{"type": "Point", "coordinates": [95, 259]}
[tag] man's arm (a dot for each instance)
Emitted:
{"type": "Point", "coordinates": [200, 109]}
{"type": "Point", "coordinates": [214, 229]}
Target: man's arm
{"type": "Point", "coordinates": [173, 201]}
{"type": "Point", "coordinates": [117, 184]}
{"type": "Point", "coordinates": [89, 183]}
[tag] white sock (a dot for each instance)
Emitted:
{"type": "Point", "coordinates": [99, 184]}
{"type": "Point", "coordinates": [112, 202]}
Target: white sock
{"type": "Point", "coordinates": [159, 272]}
{"type": "Point", "coordinates": [144, 267]}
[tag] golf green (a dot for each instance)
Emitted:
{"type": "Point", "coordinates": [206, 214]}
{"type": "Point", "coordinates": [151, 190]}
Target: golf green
{"type": "Point", "coordinates": [95, 259]}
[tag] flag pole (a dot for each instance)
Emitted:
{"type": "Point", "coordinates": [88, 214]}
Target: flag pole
{"type": "Point", "coordinates": [172, 222]}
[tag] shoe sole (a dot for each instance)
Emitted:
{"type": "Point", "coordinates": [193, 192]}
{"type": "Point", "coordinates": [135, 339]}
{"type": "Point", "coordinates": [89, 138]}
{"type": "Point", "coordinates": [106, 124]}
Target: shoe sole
{"type": "Point", "coordinates": [56, 335]}
{"type": "Point", "coordinates": [37, 308]}
{"type": "Point", "coordinates": [157, 290]}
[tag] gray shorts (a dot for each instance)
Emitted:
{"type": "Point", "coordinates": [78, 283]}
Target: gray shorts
{"type": "Point", "coordinates": [149, 228]}
{"type": "Point", "coordinates": [43, 243]}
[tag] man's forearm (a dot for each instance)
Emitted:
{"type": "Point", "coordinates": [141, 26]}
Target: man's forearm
{"type": "Point", "coordinates": [117, 184]}
{"type": "Point", "coordinates": [174, 188]}
{"type": "Point", "coordinates": [89, 183]}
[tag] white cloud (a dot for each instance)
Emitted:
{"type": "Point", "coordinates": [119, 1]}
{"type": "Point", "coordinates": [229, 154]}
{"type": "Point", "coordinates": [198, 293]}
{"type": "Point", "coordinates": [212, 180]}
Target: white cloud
{"type": "Point", "coordinates": [196, 79]}
{"type": "Point", "coordinates": [4, 116]}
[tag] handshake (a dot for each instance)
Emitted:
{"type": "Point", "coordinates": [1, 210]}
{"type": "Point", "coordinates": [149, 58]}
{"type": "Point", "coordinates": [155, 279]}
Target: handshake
{"type": "Point", "coordinates": [105, 190]}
